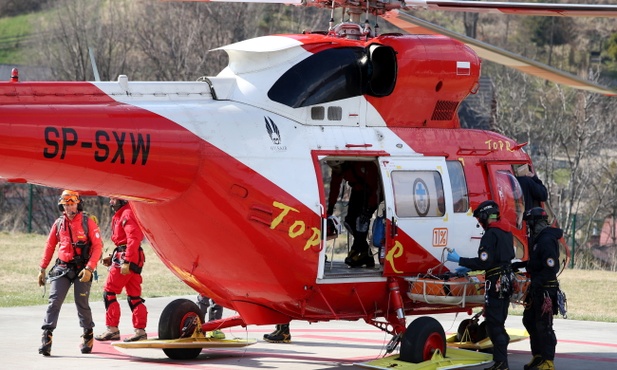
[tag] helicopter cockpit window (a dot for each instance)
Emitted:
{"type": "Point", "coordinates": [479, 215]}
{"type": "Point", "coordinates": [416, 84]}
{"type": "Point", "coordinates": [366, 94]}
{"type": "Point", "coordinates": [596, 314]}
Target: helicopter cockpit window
{"type": "Point", "coordinates": [459, 186]}
{"type": "Point", "coordinates": [418, 193]}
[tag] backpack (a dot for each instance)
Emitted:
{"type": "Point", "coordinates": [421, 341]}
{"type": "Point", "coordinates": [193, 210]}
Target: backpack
{"type": "Point", "coordinates": [84, 256]}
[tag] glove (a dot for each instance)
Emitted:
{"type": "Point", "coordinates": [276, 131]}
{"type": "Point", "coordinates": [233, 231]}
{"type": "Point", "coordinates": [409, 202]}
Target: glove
{"type": "Point", "coordinates": [106, 261]}
{"type": "Point", "coordinates": [85, 275]}
{"type": "Point", "coordinates": [453, 256]}
{"type": "Point", "coordinates": [125, 269]}
{"type": "Point", "coordinates": [462, 270]}
{"type": "Point", "coordinates": [42, 277]}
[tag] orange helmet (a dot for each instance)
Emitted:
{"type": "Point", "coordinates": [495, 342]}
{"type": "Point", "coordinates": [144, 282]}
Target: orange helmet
{"type": "Point", "coordinates": [69, 197]}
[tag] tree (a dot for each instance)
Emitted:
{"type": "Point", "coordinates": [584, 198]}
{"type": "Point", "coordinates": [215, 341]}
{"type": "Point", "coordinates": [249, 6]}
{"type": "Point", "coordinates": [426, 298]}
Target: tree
{"type": "Point", "coordinates": [77, 26]}
{"type": "Point", "coordinates": [551, 32]}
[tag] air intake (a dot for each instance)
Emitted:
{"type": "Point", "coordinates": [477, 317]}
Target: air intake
{"type": "Point", "coordinates": [444, 110]}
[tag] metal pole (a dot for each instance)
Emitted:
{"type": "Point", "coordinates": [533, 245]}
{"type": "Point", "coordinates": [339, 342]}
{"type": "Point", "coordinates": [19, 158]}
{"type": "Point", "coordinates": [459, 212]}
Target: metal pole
{"type": "Point", "coordinates": [30, 209]}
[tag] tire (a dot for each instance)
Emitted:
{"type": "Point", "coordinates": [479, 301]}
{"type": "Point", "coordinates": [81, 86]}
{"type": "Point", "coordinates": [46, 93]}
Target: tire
{"type": "Point", "coordinates": [464, 325]}
{"type": "Point", "coordinates": [422, 338]}
{"type": "Point", "coordinates": [173, 319]}
{"type": "Point", "coordinates": [477, 332]}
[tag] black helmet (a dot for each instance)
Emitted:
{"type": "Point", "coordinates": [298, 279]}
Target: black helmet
{"type": "Point", "coordinates": [537, 220]}
{"type": "Point", "coordinates": [535, 214]}
{"type": "Point", "coordinates": [485, 210]}
{"type": "Point", "coordinates": [119, 204]}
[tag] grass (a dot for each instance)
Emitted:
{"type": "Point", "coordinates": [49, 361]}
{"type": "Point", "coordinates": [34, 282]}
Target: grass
{"type": "Point", "coordinates": [13, 32]}
{"type": "Point", "coordinates": [588, 292]}
{"type": "Point", "coordinates": [21, 254]}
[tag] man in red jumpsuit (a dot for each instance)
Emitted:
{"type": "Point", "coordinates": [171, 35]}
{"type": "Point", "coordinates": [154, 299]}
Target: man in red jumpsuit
{"type": "Point", "coordinates": [78, 253]}
{"type": "Point", "coordinates": [125, 266]}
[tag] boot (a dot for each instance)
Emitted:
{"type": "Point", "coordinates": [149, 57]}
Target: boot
{"type": "Point", "coordinates": [88, 341]}
{"type": "Point", "coordinates": [544, 365]}
{"type": "Point", "coordinates": [46, 339]}
{"type": "Point", "coordinates": [274, 333]}
{"type": "Point", "coordinates": [140, 334]}
{"type": "Point", "coordinates": [502, 365]}
{"type": "Point", "coordinates": [112, 333]}
{"type": "Point", "coordinates": [280, 336]}
{"type": "Point", "coordinates": [358, 259]}
{"type": "Point", "coordinates": [534, 362]}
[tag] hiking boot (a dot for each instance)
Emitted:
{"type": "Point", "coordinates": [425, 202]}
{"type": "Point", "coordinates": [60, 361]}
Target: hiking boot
{"type": "Point", "coordinates": [46, 339]}
{"type": "Point", "coordinates": [498, 366]}
{"type": "Point", "coordinates": [544, 365]}
{"type": "Point", "coordinates": [274, 333]}
{"type": "Point", "coordinates": [279, 336]}
{"type": "Point", "coordinates": [112, 333]}
{"type": "Point", "coordinates": [359, 259]}
{"type": "Point", "coordinates": [140, 334]}
{"type": "Point", "coordinates": [534, 361]}
{"type": "Point", "coordinates": [88, 341]}
{"type": "Point", "coordinates": [217, 334]}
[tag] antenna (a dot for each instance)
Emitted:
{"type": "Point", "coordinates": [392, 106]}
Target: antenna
{"type": "Point", "coordinates": [95, 70]}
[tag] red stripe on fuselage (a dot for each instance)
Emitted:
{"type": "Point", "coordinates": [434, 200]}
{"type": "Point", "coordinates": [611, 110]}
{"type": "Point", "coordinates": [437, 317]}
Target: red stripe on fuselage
{"type": "Point", "coordinates": [74, 135]}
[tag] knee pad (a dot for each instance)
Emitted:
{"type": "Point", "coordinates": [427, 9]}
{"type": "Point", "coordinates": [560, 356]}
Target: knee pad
{"type": "Point", "coordinates": [109, 298]}
{"type": "Point", "coordinates": [134, 301]}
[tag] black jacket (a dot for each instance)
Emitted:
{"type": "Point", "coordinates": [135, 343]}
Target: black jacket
{"type": "Point", "coordinates": [534, 191]}
{"type": "Point", "coordinates": [543, 263]}
{"type": "Point", "coordinates": [496, 249]}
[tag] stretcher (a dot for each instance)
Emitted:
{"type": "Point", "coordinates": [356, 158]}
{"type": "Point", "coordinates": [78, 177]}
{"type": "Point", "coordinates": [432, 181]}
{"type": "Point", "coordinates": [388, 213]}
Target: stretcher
{"type": "Point", "coordinates": [458, 290]}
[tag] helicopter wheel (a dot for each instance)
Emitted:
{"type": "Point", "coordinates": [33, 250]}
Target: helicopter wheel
{"type": "Point", "coordinates": [476, 332]}
{"type": "Point", "coordinates": [422, 338]}
{"type": "Point", "coordinates": [174, 317]}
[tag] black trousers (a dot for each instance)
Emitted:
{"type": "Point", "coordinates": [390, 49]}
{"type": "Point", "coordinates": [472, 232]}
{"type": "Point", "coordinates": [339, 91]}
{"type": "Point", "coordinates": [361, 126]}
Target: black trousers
{"type": "Point", "coordinates": [539, 324]}
{"type": "Point", "coordinates": [495, 315]}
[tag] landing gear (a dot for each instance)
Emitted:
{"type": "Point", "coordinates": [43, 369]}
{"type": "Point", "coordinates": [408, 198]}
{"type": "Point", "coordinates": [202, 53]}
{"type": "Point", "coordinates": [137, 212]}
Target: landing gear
{"type": "Point", "coordinates": [179, 320]}
{"type": "Point", "coordinates": [469, 330]}
{"type": "Point", "coordinates": [422, 338]}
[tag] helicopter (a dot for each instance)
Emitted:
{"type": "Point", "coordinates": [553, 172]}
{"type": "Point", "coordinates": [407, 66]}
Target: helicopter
{"type": "Point", "coordinates": [229, 176]}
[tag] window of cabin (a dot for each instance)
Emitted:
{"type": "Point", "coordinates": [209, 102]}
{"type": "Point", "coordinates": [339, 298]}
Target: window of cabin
{"type": "Point", "coordinates": [508, 190]}
{"type": "Point", "coordinates": [460, 196]}
{"type": "Point", "coordinates": [418, 193]}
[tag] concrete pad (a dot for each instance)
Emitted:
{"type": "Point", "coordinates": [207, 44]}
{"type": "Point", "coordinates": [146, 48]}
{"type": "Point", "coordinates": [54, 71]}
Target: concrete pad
{"type": "Point", "coordinates": [329, 345]}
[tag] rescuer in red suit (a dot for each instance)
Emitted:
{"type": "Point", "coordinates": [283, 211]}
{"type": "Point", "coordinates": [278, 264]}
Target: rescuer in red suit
{"type": "Point", "coordinates": [79, 245]}
{"type": "Point", "coordinates": [125, 265]}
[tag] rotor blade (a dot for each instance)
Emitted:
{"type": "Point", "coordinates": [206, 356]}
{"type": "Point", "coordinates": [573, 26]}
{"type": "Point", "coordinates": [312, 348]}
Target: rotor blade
{"type": "Point", "coordinates": [540, 9]}
{"type": "Point", "coordinates": [415, 25]}
{"type": "Point", "coordinates": [379, 6]}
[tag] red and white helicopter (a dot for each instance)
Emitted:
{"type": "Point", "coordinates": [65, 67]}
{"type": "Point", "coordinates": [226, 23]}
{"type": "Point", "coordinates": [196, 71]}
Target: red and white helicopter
{"type": "Point", "coordinates": [228, 176]}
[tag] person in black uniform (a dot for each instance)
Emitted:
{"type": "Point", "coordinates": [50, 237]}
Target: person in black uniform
{"type": "Point", "coordinates": [495, 254]}
{"type": "Point", "coordinates": [541, 299]}
{"type": "Point", "coordinates": [534, 191]}
{"type": "Point", "coordinates": [363, 178]}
